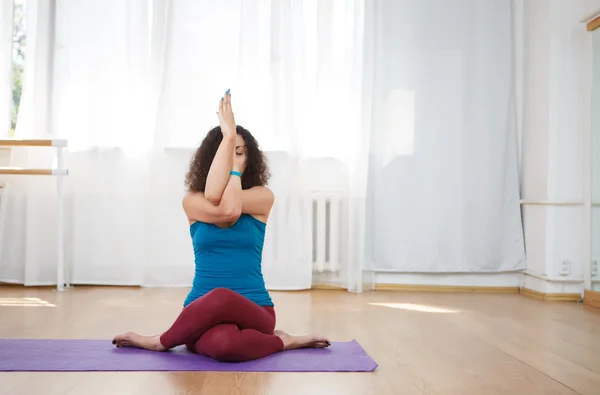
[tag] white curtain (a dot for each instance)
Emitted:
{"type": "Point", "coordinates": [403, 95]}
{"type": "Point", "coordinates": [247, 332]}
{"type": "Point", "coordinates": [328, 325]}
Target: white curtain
{"type": "Point", "coordinates": [260, 54]}
{"type": "Point", "coordinates": [409, 121]}
{"type": "Point", "coordinates": [138, 85]}
{"type": "Point", "coordinates": [443, 171]}
{"type": "Point", "coordinates": [28, 209]}
{"type": "Point", "coordinates": [6, 18]}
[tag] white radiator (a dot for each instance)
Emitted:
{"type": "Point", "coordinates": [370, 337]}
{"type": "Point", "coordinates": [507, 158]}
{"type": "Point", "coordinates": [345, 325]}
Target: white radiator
{"type": "Point", "coordinates": [325, 232]}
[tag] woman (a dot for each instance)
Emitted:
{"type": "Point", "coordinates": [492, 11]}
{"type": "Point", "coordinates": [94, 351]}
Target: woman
{"type": "Point", "coordinates": [228, 315]}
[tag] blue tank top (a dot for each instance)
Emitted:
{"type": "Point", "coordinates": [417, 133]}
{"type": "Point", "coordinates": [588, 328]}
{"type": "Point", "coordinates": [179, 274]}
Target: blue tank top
{"type": "Point", "coordinates": [229, 258]}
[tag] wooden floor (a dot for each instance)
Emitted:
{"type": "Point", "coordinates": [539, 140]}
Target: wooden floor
{"type": "Point", "coordinates": [424, 343]}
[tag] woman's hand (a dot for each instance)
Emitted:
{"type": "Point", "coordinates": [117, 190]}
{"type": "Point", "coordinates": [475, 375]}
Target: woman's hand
{"type": "Point", "coordinates": [226, 119]}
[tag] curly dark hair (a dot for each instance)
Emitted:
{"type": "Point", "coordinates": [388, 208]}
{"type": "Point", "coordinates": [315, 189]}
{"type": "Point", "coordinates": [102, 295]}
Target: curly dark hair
{"type": "Point", "coordinates": [256, 173]}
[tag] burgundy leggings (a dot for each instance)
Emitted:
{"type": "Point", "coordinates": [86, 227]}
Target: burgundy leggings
{"type": "Point", "coordinates": [225, 326]}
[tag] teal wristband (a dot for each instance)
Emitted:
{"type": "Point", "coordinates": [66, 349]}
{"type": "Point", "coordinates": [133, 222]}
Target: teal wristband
{"type": "Point", "coordinates": [235, 173]}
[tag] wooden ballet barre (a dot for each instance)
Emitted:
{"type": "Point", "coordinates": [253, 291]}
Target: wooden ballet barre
{"type": "Point", "coordinates": [59, 172]}
{"type": "Point", "coordinates": [33, 143]}
{"type": "Point", "coordinates": [15, 171]}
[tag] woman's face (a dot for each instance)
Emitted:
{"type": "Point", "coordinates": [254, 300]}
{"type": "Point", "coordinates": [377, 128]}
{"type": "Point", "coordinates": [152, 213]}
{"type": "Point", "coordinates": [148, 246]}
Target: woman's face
{"type": "Point", "coordinates": [241, 153]}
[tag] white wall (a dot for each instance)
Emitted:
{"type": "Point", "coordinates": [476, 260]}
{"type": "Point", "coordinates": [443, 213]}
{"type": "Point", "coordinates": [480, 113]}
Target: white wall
{"type": "Point", "coordinates": [556, 92]}
{"type": "Point", "coordinates": [590, 6]}
{"type": "Point", "coordinates": [554, 69]}
{"type": "Point", "coordinates": [595, 148]}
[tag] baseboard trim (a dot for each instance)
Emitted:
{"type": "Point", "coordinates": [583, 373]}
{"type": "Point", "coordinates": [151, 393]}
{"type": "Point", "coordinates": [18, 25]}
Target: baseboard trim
{"type": "Point", "coordinates": [327, 287]}
{"type": "Point", "coordinates": [80, 286]}
{"type": "Point", "coordinates": [428, 288]}
{"type": "Point", "coordinates": [446, 288]}
{"type": "Point", "coordinates": [591, 298]}
{"type": "Point", "coordinates": [530, 293]}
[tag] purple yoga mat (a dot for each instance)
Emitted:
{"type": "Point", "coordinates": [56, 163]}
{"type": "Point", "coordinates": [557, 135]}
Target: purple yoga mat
{"type": "Point", "coordinates": [34, 355]}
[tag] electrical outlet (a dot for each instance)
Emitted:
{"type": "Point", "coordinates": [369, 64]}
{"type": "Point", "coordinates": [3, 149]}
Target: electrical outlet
{"type": "Point", "coordinates": [564, 268]}
{"type": "Point", "coordinates": [594, 268]}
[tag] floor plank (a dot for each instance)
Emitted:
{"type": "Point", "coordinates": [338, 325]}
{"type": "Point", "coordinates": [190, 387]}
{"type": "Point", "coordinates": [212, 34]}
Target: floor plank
{"type": "Point", "coordinates": [425, 343]}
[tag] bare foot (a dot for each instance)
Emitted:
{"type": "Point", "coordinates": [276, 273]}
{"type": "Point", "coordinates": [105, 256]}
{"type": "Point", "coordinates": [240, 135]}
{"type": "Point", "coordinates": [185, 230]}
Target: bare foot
{"type": "Point", "coordinates": [291, 342]}
{"type": "Point", "coordinates": [131, 339]}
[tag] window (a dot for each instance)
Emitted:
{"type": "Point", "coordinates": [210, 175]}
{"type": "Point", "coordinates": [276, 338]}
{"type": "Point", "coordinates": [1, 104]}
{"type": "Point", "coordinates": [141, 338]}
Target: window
{"type": "Point", "coordinates": [18, 58]}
